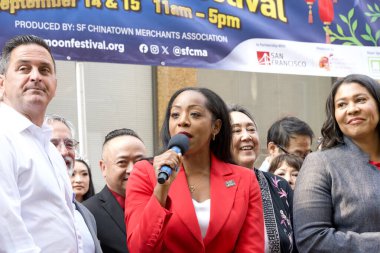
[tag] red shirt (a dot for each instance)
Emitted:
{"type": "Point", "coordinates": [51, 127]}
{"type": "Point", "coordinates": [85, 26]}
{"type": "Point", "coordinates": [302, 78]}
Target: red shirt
{"type": "Point", "coordinates": [377, 164]}
{"type": "Point", "coordinates": [120, 199]}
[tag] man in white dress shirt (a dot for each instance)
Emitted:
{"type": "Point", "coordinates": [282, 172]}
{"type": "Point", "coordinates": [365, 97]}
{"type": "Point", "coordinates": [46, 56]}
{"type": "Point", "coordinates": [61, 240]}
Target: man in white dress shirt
{"type": "Point", "coordinates": [36, 208]}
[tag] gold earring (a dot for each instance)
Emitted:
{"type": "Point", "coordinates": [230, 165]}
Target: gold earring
{"type": "Point", "coordinates": [213, 137]}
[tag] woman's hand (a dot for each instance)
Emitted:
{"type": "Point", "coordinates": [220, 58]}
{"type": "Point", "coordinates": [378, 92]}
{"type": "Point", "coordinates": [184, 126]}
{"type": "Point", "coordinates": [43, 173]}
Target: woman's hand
{"type": "Point", "coordinates": [172, 160]}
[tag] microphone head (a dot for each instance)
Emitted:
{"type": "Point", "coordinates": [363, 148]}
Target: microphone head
{"type": "Point", "coordinates": [181, 141]}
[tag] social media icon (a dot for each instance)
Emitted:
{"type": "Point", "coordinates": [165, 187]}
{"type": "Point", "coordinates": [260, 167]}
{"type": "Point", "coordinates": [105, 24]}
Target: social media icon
{"type": "Point", "coordinates": [177, 51]}
{"type": "Point", "coordinates": [143, 48]}
{"type": "Point", "coordinates": [165, 50]}
{"type": "Point", "coordinates": [154, 49]}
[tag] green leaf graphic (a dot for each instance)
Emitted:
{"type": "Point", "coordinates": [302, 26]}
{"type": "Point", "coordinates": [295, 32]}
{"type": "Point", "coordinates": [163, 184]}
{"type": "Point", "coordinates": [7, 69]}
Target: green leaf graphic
{"type": "Point", "coordinates": [345, 20]}
{"type": "Point", "coordinates": [377, 36]}
{"type": "Point", "coordinates": [366, 37]}
{"type": "Point", "coordinates": [377, 8]}
{"type": "Point", "coordinates": [351, 13]}
{"type": "Point", "coordinates": [368, 29]}
{"type": "Point", "coordinates": [355, 25]}
{"type": "Point", "coordinates": [370, 7]}
{"type": "Point", "coordinates": [340, 30]}
{"type": "Point", "coordinates": [349, 35]}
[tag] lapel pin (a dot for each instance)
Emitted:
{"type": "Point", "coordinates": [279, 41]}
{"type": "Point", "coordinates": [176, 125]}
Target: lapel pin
{"type": "Point", "coordinates": [230, 183]}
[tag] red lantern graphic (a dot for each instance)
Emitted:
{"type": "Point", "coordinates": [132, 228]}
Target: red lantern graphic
{"type": "Point", "coordinates": [310, 5]}
{"type": "Point", "coordinates": [326, 14]}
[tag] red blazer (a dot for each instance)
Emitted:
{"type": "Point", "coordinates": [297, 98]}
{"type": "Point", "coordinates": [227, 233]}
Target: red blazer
{"type": "Point", "coordinates": [236, 215]}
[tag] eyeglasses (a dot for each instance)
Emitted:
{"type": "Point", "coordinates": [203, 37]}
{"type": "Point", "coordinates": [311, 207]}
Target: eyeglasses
{"type": "Point", "coordinates": [70, 144]}
{"type": "Point", "coordinates": [282, 149]}
{"type": "Point", "coordinates": [302, 155]}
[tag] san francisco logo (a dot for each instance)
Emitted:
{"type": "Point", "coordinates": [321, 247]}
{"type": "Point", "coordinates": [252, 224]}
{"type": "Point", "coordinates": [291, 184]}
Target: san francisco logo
{"type": "Point", "coordinates": [263, 57]}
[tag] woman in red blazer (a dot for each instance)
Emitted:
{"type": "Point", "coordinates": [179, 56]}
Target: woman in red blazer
{"type": "Point", "coordinates": [208, 205]}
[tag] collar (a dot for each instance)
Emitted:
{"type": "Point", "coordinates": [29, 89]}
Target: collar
{"type": "Point", "coordinates": [377, 164]}
{"type": "Point", "coordinates": [16, 122]}
{"type": "Point", "coordinates": [120, 199]}
{"type": "Point", "coordinates": [349, 143]}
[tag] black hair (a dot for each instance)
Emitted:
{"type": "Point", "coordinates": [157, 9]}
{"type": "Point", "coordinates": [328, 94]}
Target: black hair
{"type": "Point", "coordinates": [331, 133]}
{"type": "Point", "coordinates": [91, 189]}
{"type": "Point", "coordinates": [239, 108]}
{"type": "Point", "coordinates": [17, 41]}
{"type": "Point", "coordinates": [292, 160]}
{"type": "Point", "coordinates": [220, 147]}
{"type": "Point", "coordinates": [120, 132]}
{"type": "Point", "coordinates": [285, 128]}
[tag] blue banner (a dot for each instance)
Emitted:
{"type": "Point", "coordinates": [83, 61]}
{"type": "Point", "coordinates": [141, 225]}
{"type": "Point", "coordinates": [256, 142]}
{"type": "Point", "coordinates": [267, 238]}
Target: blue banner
{"type": "Point", "coordinates": [285, 36]}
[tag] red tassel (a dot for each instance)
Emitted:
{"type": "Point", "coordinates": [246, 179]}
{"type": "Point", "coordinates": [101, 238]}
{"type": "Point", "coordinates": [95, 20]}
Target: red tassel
{"type": "Point", "coordinates": [310, 15]}
{"type": "Point", "coordinates": [310, 5]}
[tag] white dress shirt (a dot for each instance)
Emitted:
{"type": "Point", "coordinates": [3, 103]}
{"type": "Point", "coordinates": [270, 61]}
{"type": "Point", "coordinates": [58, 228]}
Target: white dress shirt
{"type": "Point", "coordinates": [265, 165]}
{"type": "Point", "coordinates": [85, 242]}
{"type": "Point", "coordinates": [36, 211]}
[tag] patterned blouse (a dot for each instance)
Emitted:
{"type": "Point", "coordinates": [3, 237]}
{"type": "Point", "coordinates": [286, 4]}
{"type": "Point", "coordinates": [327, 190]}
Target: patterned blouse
{"type": "Point", "coordinates": [277, 199]}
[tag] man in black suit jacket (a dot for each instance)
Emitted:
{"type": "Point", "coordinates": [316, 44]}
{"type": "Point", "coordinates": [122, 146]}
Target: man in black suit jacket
{"type": "Point", "coordinates": [121, 149]}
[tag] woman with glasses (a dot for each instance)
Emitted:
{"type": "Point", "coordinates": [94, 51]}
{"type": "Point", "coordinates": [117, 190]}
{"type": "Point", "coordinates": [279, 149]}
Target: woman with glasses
{"type": "Point", "coordinates": [277, 196]}
{"type": "Point", "coordinates": [336, 202]}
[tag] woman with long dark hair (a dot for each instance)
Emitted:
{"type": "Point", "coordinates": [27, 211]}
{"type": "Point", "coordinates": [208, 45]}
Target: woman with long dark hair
{"type": "Point", "coordinates": [81, 180]}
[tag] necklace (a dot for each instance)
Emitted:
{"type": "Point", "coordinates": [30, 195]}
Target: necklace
{"type": "Point", "coordinates": [192, 188]}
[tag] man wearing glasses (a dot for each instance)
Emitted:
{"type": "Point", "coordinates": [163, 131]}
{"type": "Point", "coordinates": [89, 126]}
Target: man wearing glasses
{"type": "Point", "coordinates": [288, 135]}
{"type": "Point", "coordinates": [62, 139]}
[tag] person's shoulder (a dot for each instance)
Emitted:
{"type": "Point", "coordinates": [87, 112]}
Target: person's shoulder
{"type": "Point", "coordinates": [6, 136]}
{"type": "Point", "coordinates": [271, 178]}
{"type": "Point", "coordinates": [338, 152]}
{"type": "Point", "coordinates": [81, 207]}
{"type": "Point", "coordinates": [93, 201]}
{"type": "Point", "coordinates": [230, 165]}
{"type": "Point", "coordinates": [143, 167]}
{"type": "Point", "coordinates": [239, 169]}
{"type": "Point", "coordinates": [15, 122]}
{"type": "Point", "coordinates": [9, 142]}
{"type": "Point", "coordinates": [145, 162]}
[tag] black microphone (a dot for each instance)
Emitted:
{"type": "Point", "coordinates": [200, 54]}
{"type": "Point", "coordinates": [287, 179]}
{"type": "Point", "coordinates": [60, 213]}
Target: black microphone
{"type": "Point", "coordinates": [179, 143]}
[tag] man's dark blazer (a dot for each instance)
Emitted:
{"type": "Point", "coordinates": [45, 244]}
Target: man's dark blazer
{"type": "Point", "coordinates": [109, 218]}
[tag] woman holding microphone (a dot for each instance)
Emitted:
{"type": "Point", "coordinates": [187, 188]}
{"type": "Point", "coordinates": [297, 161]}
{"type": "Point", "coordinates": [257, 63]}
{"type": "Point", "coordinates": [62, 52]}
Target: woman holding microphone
{"type": "Point", "coordinates": [207, 205]}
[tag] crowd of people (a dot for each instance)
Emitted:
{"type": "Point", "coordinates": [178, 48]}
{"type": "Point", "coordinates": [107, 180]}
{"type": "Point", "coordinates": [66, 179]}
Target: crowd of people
{"type": "Point", "coordinates": [212, 198]}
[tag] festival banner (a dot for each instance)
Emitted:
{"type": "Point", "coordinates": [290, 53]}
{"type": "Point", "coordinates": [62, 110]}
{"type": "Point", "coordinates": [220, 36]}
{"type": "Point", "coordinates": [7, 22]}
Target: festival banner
{"type": "Point", "coordinates": [306, 37]}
